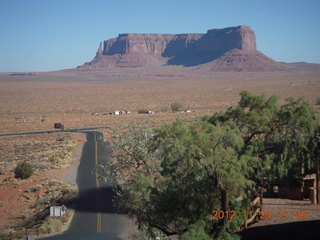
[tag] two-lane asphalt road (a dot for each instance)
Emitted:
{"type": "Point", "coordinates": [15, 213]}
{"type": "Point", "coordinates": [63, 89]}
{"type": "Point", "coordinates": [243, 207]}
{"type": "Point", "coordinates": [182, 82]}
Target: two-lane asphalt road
{"type": "Point", "coordinates": [95, 217]}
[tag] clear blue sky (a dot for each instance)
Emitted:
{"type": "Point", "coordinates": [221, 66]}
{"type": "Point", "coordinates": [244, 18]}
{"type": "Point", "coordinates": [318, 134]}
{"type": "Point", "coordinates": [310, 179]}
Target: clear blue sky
{"type": "Point", "coordinates": [43, 35]}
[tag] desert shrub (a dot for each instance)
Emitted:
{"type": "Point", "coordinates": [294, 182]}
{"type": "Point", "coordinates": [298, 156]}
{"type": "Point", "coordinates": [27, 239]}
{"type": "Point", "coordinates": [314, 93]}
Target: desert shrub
{"type": "Point", "coordinates": [43, 200]}
{"type": "Point", "coordinates": [69, 148]}
{"type": "Point", "coordinates": [177, 106]}
{"type": "Point", "coordinates": [26, 196]}
{"type": "Point", "coordinates": [1, 171]}
{"type": "Point", "coordinates": [7, 231]}
{"type": "Point", "coordinates": [54, 159]}
{"type": "Point", "coordinates": [34, 188]}
{"type": "Point", "coordinates": [142, 234]}
{"type": "Point", "coordinates": [52, 184]}
{"type": "Point", "coordinates": [2, 204]}
{"type": "Point", "coordinates": [61, 139]}
{"type": "Point", "coordinates": [318, 101]}
{"type": "Point", "coordinates": [55, 193]}
{"type": "Point", "coordinates": [59, 159]}
{"type": "Point", "coordinates": [41, 166]}
{"type": "Point", "coordinates": [62, 155]}
{"type": "Point", "coordinates": [16, 183]}
{"type": "Point", "coordinates": [23, 170]}
{"type": "Point", "coordinates": [164, 109]}
{"type": "Point", "coordinates": [51, 225]}
{"type": "Point", "coordinates": [66, 217]}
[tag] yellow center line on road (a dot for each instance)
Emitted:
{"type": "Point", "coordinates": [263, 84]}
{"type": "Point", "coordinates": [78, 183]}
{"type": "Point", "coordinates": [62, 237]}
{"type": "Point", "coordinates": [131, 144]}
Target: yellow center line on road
{"type": "Point", "coordinates": [99, 220]}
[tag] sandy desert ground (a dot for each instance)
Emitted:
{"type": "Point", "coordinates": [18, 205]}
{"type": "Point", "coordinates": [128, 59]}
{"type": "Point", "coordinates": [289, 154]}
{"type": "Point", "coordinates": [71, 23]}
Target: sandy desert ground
{"type": "Point", "coordinates": [34, 102]}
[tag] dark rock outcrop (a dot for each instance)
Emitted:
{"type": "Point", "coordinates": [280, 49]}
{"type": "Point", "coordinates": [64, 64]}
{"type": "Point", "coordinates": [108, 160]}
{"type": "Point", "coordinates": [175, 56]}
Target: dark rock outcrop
{"type": "Point", "coordinates": [227, 49]}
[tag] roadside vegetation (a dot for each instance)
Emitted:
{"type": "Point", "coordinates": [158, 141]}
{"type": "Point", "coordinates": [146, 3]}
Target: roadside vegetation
{"type": "Point", "coordinates": [42, 151]}
{"type": "Point", "coordinates": [23, 162]}
{"type": "Point", "coordinates": [54, 224]}
{"type": "Point", "coordinates": [23, 170]}
{"type": "Point", "coordinates": [36, 218]}
{"type": "Point", "coordinates": [172, 178]}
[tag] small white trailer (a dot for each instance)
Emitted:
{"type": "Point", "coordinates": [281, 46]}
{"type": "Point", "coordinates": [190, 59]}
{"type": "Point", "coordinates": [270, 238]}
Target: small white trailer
{"type": "Point", "coordinates": [57, 211]}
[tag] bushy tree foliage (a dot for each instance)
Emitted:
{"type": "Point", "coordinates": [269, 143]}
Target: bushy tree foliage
{"type": "Point", "coordinates": [172, 178]}
{"type": "Point", "coordinates": [277, 135]}
{"type": "Point", "coordinates": [23, 170]}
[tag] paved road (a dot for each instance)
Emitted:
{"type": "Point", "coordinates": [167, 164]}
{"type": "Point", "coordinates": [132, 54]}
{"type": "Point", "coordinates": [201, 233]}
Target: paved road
{"type": "Point", "coordinates": [95, 217]}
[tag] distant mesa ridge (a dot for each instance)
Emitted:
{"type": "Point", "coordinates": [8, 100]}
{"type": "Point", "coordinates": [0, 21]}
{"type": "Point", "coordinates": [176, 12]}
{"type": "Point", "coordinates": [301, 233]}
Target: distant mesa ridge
{"type": "Point", "coordinates": [226, 49]}
{"type": "Point", "coordinates": [215, 40]}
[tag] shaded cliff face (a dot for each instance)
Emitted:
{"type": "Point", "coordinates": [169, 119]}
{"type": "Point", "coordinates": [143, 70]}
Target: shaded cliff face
{"type": "Point", "coordinates": [211, 45]}
{"type": "Point", "coordinates": [217, 47]}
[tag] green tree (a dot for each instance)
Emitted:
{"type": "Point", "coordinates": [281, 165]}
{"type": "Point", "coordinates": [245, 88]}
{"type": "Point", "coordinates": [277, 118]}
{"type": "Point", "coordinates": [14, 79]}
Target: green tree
{"type": "Point", "coordinates": [277, 135]}
{"type": "Point", "coordinates": [172, 178]}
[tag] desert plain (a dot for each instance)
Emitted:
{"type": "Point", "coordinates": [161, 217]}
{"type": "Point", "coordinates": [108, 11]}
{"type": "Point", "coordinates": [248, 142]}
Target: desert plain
{"type": "Point", "coordinates": [34, 102]}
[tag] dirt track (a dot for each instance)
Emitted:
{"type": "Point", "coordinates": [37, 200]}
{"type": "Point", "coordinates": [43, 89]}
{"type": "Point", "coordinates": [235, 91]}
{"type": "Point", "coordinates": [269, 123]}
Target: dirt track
{"type": "Point", "coordinates": [286, 221]}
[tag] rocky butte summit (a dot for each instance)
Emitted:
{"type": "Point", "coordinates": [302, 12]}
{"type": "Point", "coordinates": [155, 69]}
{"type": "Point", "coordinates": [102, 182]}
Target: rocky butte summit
{"type": "Point", "coordinates": [226, 49]}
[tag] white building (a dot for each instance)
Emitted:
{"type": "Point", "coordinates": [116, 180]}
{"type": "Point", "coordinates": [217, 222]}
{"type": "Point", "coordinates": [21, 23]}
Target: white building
{"type": "Point", "coordinates": [57, 211]}
{"type": "Point", "coordinates": [116, 113]}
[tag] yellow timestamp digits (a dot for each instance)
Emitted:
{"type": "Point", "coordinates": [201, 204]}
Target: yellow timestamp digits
{"type": "Point", "coordinates": [223, 214]}
{"type": "Point", "coordinates": [261, 215]}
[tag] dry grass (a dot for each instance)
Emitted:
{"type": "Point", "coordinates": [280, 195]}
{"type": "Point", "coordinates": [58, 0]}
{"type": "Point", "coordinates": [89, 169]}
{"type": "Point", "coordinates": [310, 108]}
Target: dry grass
{"type": "Point", "coordinates": [26, 205]}
{"type": "Point", "coordinates": [43, 151]}
{"type": "Point", "coordinates": [25, 199]}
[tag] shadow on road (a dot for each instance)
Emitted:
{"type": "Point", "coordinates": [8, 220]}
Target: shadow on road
{"type": "Point", "coordinates": [87, 202]}
{"type": "Point", "coordinates": [297, 230]}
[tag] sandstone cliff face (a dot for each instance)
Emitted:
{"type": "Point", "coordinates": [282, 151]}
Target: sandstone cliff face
{"type": "Point", "coordinates": [167, 45]}
{"type": "Point", "coordinates": [232, 48]}
{"type": "Point", "coordinates": [137, 44]}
